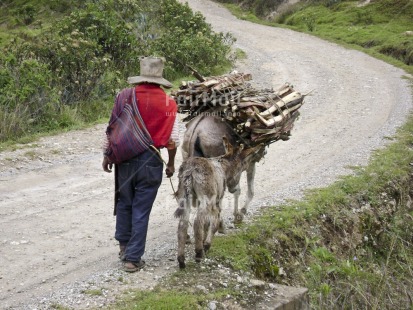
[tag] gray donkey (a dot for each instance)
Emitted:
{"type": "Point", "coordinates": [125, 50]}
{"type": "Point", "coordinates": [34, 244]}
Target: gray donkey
{"type": "Point", "coordinates": [202, 184]}
{"type": "Point", "coordinates": [203, 138]}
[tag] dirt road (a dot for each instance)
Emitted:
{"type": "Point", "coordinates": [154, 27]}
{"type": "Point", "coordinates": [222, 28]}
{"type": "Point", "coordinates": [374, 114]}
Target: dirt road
{"type": "Point", "coordinates": [56, 223]}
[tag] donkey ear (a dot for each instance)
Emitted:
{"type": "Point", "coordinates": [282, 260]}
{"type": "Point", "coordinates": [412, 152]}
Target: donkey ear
{"type": "Point", "coordinates": [239, 149]}
{"type": "Point", "coordinates": [227, 146]}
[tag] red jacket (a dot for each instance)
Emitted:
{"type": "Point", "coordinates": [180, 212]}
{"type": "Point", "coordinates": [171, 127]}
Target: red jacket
{"type": "Point", "coordinates": [158, 112]}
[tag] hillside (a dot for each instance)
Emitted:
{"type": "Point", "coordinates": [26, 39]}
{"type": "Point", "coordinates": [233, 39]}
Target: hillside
{"type": "Point", "coordinates": [62, 62]}
{"type": "Point", "coordinates": [382, 28]}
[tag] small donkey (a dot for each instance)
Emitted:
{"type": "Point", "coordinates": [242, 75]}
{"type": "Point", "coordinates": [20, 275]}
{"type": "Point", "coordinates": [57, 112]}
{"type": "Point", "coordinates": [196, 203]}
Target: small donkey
{"type": "Point", "coordinates": [202, 184]}
{"type": "Point", "coordinates": [202, 138]}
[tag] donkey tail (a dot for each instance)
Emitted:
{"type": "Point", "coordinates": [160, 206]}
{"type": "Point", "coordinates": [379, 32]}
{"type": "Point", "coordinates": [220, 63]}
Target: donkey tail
{"type": "Point", "coordinates": [184, 195]}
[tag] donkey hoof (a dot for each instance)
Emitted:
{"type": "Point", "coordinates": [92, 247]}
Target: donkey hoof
{"type": "Point", "coordinates": [181, 261]}
{"type": "Point", "coordinates": [238, 218]}
{"type": "Point", "coordinates": [199, 254]}
{"type": "Point", "coordinates": [221, 228]}
{"type": "Point", "coordinates": [207, 246]}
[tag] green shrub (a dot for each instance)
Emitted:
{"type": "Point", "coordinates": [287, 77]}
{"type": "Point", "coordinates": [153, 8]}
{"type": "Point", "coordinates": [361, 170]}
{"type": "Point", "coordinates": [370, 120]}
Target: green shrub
{"type": "Point", "coordinates": [62, 6]}
{"type": "Point", "coordinates": [25, 94]}
{"type": "Point", "coordinates": [403, 52]}
{"type": "Point", "coordinates": [72, 59]}
{"type": "Point", "coordinates": [264, 7]}
{"type": "Point", "coordinates": [26, 13]}
{"type": "Point", "coordinates": [188, 40]}
{"type": "Point", "coordinates": [84, 46]}
{"type": "Point", "coordinates": [69, 73]}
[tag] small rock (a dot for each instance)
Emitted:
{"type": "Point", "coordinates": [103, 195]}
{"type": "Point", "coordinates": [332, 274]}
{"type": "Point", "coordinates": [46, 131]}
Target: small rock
{"type": "Point", "coordinates": [281, 272]}
{"type": "Point", "coordinates": [212, 305]}
{"type": "Point", "coordinates": [202, 288]}
{"type": "Point", "coordinates": [257, 283]}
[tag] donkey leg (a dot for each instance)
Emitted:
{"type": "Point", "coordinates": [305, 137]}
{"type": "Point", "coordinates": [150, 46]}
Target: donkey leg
{"type": "Point", "coordinates": [238, 216]}
{"type": "Point", "coordinates": [221, 224]}
{"type": "Point", "coordinates": [195, 205]}
{"type": "Point", "coordinates": [213, 221]}
{"type": "Point", "coordinates": [199, 226]}
{"type": "Point", "coordinates": [209, 226]}
{"type": "Point", "coordinates": [183, 235]}
{"type": "Point", "coordinates": [250, 184]}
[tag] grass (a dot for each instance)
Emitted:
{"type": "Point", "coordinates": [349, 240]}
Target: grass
{"type": "Point", "coordinates": [41, 11]}
{"type": "Point", "coordinates": [244, 15]}
{"type": "Point", "coordinates": [240, 54]}
{"type": "Point", "coordinates": [159, 299]}
{"type": "Point", "coordinates": [183, 290]}
{"type": "Point", "coordinates": [30, 154]}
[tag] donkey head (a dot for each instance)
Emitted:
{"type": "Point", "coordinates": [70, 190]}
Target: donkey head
{"type": "Point", "coordinates": [238, 159]}
{"type": "Point", "coordinates": [250, 154]}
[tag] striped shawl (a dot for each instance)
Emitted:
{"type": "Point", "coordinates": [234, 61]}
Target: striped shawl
{"type": "Point", "coordinates": [126, 133]}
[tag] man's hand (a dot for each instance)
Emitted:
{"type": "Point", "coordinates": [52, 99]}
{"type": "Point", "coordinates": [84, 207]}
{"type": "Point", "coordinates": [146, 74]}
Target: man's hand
{"type": "Point", "coordinates": [170, 166]}
{"type": "Point", "coordinates": [106, 164]}
{"type": "Point", "coordinates": [170, 170]}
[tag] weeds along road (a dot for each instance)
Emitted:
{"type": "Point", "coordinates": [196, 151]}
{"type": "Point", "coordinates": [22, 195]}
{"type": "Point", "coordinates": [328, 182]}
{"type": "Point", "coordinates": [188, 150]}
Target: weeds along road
{"type": "Point", "coordinates": [56, 222]}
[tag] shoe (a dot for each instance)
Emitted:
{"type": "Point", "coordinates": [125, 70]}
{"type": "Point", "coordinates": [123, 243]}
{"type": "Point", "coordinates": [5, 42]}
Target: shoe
{"type": "Point", "coordinates": [122, 252]}
{"type": "Point", "coordinates": [132, 266]}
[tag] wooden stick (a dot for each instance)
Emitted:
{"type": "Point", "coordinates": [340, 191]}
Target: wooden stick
{"type": "Point", "coordinates": [281, 103]}
{"type": "Point", "coordinates": [277, 119]}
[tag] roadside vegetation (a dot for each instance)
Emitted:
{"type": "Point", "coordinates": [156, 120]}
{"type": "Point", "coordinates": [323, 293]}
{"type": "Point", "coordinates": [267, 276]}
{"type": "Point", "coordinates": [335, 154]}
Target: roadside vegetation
{"type": "Point", "coordinates": [62, 62]}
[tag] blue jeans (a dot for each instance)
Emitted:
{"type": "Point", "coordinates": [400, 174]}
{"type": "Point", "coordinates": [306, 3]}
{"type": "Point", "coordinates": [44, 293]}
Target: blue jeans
{"type": "Point", "coordinates": [139, 180]}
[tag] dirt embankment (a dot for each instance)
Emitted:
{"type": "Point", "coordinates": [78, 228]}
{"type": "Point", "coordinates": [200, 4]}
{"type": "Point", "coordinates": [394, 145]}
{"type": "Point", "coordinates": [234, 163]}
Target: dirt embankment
{"type": "Point", "coordinates": [56, 221]}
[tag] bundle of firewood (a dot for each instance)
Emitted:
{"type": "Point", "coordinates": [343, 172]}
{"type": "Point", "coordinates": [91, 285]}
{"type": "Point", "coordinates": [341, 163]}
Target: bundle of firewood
{"type": "Point", "coordinates": [257, 116]}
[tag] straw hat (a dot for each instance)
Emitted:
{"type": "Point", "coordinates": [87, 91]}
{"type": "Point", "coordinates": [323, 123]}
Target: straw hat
{"type": "Point", "coordinates": [151, 72]}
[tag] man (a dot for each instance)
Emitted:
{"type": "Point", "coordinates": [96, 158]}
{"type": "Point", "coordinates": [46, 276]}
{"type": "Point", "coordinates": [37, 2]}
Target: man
{"type": "Point", "coordinates": [140, 177]}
